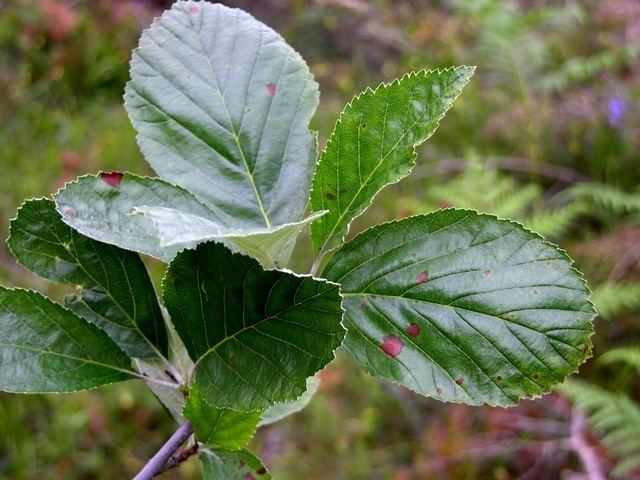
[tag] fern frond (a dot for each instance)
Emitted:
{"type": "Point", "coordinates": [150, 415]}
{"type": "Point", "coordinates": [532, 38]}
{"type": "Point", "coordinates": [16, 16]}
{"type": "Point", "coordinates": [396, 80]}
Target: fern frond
{"type": "Point", "coordinates": [612, 298]}
{"type": "Point", "coordinates": [628, 355]}
{"type": "Point", "coordinates": [553, 223]}
{"type": "Point", "coordinates": [615, 416]}
{"type": "Point", "coordinates": [607, 197]}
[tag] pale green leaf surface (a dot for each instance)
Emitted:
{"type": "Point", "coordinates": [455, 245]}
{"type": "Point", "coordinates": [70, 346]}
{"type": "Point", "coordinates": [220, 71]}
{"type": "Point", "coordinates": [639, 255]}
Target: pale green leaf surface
{"type": "Point", "coordinates": [102, 209]}
{"type": "Point", "coordinates": [272, 247]}
{"type": "Point", "coordinates": [222, 105]}
{"type": "Point", "coordinates": [219, 427]}
{"type": "Point", "coordinates": [462, 307]}
{"type": "Point", "coordinates": [46, 348]}
{"type": "Point", "coordinates": [240, 465]}
{"type": "Point", "coordinates": [373, 145]}
{"type": "Point", "coordinates": [151, 216]}
{"type": "Point", "coordinates": [280, 411]}
{"type": "Point", "coordinates": [113, 288]}
{"type": "Point", "coordinates": [255, 335]}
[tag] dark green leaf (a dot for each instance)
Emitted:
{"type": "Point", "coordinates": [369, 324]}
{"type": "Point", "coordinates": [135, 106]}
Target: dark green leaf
{"type": "Point", "coordinates": [240, 465]}
{"type": "Point", "coordinates": [373, 145]}
{"type": "Point", "coordinates": [219, 427]}
{"type": "Point", "coordinates": [462, 307]}
{"type": "Point", "coordinates": [46, 348]}
{"type": "Point", "coordinates": [256, 335]}
{"type": "Point", "coordinates": [222, 105]}
{"type": "Point", "coordinates": [113, 288]}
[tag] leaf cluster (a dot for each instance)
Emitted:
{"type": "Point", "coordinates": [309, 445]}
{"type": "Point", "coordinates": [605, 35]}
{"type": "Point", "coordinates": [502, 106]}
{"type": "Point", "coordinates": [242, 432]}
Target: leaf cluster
{"type": "Point", "coordinates": [455, 305]}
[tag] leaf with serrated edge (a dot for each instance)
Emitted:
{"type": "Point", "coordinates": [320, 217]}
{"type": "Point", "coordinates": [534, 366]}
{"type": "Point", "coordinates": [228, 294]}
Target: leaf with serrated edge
{"type": "Point", "coordinates": [45, 348]}
{"type": "Point", "coordinates": [219, 427]}
{"type": "Point", "coordinates": [279, 411]}
{"type": "Point", "coordinates": [462, 307]}
{"type": "Point", "coordinates": [256, 335]}
{"type": "Point", "coordinates": [222, 106]}
{"type": "Point", "coordinates": [113, 288]}
{"type": "Point", "coordinates": [242, 464]}
{"type": "Point", "coordinates": [373, 145]}
{"type": "Point", "coordinates": [271, 247]}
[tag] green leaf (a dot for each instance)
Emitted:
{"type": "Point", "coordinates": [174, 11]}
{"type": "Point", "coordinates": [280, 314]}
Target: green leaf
{"type": "Point", "coordinates": [256, 335]}
{"type": "Point", "coordinates": [271, 247]}
{"type": "Point", "coordinates": [46, 348]}
{"type": "Point", "coordinates": [222, 105]}
{"type": "Point", "coordinates": [279, 411]}
{"type": "Point", "coordinates": [373, 145]}
{"type": "Point", "coordinates": [219, 427]}
{"type": "Point", "coordinates": [151, 216]}
{"type": "Point", "coordinates": [101, 207]}
{"type": "Point", "coordinates": [221, 465]}
{"type": "Point", "coordinates": [113, 288]}
{"type": "Point", "coordinates": [462, 307]}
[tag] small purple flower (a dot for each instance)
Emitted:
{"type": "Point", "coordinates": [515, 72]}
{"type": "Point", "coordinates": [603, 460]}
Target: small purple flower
{"type": "Point", "coordinates": [616, 108]}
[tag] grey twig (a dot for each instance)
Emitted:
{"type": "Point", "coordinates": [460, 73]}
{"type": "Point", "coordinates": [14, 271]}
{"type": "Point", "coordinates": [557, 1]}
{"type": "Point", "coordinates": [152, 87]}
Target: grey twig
{"type": "Point", "coordinates": [157, 463]}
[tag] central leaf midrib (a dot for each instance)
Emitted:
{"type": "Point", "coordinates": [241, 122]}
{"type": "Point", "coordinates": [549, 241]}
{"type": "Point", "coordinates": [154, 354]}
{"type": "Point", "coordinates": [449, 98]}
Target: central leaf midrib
{"type": "Point", "coordinates": [234, 134]}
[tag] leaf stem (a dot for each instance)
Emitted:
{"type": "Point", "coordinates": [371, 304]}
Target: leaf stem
{"type": "Point", "coordinates": [156, 464]}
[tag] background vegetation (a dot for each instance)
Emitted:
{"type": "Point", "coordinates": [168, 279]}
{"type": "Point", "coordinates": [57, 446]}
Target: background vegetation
{"type": "Point", "coordinates": [548, 133]}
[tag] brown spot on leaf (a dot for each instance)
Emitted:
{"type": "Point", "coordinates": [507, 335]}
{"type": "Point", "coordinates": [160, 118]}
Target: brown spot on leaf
{"type": "Point", "coordinates": [392, 345]}
{"type": "Point", "coordinates": [422, 277]}
{"type": "Point", "coordinates": [585, 349]}
{"type": "Point", "coordinates": [330, 196]}
{"type": "Point", "coordinates": [413, 330]}
{"type": "Point", "coordinates": [261, 471]}
{"type": "Point", "coordinates": [535, 293]}
{"type": "Point", "coordinates": [536, 376]}
{"type": "Point", "coordinates": [498, 378]}
{"type": "Point", "coordinates": [271, 88]}
{"type": "Point", "coordinates": [459, 381]}
{"type": "Point", "coordinates": [112, 179]}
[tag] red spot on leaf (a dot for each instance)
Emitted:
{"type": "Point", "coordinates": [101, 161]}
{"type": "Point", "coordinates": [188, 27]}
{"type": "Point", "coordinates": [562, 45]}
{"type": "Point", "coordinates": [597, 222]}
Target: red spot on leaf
{"type": "Point", "coordinates": [271, 88]}
{"type": "Point", "coordinates": [392, 345]}
{"type": "Point", "coordinates": [112, 178]}
{"type": "Point", "coordinates": [413, 330]}
{"type": "Point", "coordinates": [194, 10]}
{"type": "Point", "coordinates": [585, 349]}
{"type": "Point", "coordinates": [249, 476]}
{"type": "Point", "coordinates": [422, 277]}
{"type": "Point", "coordinates": [486, 272]}
{"type": "Point", "coordinates": [459, 381]}
{"type": "Point", "coordinates": [68, 213]}
{"type": "Point", "coordinates": [439, 390]}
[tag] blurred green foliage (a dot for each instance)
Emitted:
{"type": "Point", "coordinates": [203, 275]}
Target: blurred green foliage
{"type": "Point", "coordinates": [548, 133]}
